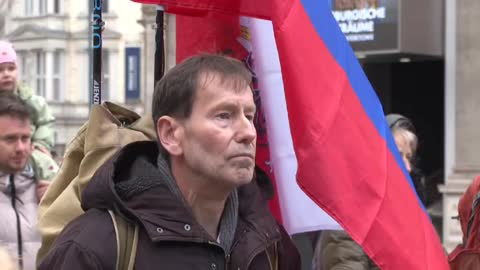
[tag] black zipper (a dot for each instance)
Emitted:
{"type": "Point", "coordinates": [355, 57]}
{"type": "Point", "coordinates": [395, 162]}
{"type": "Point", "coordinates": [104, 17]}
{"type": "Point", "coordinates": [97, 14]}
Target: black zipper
{"type": "Point", "coordinates": [13, 193]}
{"type": "Point", "coordinates": [227, 261]}
{"type": "Point", "coordinates": [227, 255]}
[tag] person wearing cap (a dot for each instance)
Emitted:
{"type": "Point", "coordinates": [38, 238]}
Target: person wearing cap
{"type": "Point", "coordinates": [336, 249]}
{"type": "Point", "coordinates": [42, 118]}
{"type": "Point", "coordinates": [405, 137]}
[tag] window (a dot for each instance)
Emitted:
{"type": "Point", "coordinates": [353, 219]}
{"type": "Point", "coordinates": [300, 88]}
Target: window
{"type": "Point", "coordinates": [42, 7]}
{"type": "Point", "coordinates": [106, 75]}
{"type": "Point", "coordinates": [44, 72]}
{"type": "Point", "coordinates": [56, 7]}
{"type": "Point", "coordinates": [23, 66]}
{"type": "Point", "coordinates": [57, 76]}
{"type": "Point", "coordinates": [105, 6]}
{"type": "Point", "coordinates": [29, 7]}
{"type": "Point", "coordinates": [39, 75]}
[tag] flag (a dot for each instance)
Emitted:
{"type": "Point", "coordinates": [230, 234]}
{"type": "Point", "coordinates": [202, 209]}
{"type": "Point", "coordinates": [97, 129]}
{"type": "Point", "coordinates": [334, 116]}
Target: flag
{"type": "Point", "coordinates": [348, 163]}
{"type": "Point", "coordinates": [299, 213]}
{"type": "Point", "coordinates": [219, 33]}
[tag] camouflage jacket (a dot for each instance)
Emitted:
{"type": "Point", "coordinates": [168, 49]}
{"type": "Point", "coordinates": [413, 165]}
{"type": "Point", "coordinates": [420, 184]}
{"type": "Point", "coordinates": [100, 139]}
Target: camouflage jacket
{"type": "Point", "coordinates": [44, 166]}
{"type": "Point", "coordinates": [336, 250]}
{"type": "Point", "coordinates": [42, 118]}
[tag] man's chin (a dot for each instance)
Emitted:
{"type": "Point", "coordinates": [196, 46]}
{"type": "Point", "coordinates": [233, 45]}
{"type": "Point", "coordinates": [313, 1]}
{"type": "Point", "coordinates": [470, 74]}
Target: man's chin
{"type": "Point", "coordinates": [7, 87]}
{"type": "Point", "coordinates": [243, 177]}
{"type": "Point", "coordinates": [16, 168]}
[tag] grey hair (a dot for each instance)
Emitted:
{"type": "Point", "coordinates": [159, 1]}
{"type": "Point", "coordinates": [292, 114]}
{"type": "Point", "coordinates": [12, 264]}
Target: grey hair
{"type": "Point", "coordinates": [409, 136]}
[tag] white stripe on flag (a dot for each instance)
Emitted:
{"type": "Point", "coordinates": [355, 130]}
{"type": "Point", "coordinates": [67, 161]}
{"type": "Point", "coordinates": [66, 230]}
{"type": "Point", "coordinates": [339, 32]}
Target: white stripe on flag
{"type": "Point", "coordinates": [299, 212]}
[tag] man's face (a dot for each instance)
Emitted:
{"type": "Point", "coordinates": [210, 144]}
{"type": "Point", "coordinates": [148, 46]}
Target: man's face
{"type": "Point", "coordinates": [405, 150]}
{"type": "Point", "coordinates": [219, 137]}
{"type": "Point", "coordinates": [8, 76]}
{"type": "Point", "coordinates": [15, 144]}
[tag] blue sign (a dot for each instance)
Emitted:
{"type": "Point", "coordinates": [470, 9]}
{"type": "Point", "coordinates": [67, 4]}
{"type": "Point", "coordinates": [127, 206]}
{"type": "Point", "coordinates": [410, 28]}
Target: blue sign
{"type": "Point", "coordinates": [132, 73]}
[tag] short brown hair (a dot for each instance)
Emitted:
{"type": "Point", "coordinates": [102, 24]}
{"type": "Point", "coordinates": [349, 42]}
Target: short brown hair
{"type": "Point", "coordinates": [14, 106]}
{"type": "Point", "coordinates": [175, 92]}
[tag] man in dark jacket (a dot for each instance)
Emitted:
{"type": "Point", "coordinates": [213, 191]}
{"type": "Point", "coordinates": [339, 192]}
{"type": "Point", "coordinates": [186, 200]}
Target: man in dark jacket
{"type": "Point", "coordinates": [192, 192]}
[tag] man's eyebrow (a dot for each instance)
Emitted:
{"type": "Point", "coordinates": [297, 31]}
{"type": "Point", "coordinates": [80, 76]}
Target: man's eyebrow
{"type": "Point", "coordinates": [232, 105]}
{"type": "Point", "coordinates": [8, 136]}
{"type": "Point", "coordinates": [251, 108]}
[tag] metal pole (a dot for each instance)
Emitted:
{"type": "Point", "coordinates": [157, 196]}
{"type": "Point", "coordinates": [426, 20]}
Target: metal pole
{"type": "Point", "coordinates": [90, 50]}
{"type": "Point", "coordinates": [96, 50]}
{"type": "Point", "coordinates": [159, 46]}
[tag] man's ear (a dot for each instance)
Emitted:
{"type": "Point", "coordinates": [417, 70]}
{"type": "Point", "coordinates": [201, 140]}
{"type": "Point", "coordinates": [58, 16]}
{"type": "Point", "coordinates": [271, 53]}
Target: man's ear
{"type": "Point", "coordinates": [169, 135]}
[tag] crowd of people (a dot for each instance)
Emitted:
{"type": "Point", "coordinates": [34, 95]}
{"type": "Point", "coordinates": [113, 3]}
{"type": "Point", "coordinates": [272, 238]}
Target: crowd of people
{"type": "Point", "coordinates": [26, 165]}
{"type": "Point", "coordinates": [193, 199]}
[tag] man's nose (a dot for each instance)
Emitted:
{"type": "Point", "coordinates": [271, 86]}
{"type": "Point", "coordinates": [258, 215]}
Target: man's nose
{"type": "Point", "coordinates": [408, 165]}
{"type": "Point", "coordinates": [5, 73]}
{"type": "Point", "coordinates": [246, 132]}
{"type": "Point", "coordinates": [22, 145]}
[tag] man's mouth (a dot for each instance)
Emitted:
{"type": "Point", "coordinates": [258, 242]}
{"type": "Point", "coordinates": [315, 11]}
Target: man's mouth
{"type": "Point", "coordinates": [243, 155]}
{"type": "Point", "coordinates": [19, 159]}
{"type": "Point", "coordinates": [6, 83]}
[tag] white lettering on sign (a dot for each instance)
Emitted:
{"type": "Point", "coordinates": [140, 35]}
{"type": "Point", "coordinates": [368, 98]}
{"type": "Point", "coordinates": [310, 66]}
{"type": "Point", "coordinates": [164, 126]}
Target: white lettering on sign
{"type": "Point", "coordinates": [359, 24]}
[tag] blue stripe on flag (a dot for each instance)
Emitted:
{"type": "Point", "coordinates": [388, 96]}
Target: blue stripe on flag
{"type": "Point", "coordinates": [320, 15]}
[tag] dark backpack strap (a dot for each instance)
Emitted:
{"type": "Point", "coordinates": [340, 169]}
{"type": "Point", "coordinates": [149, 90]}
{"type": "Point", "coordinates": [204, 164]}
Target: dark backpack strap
{"type": "Point", "coordinates": [272, 254]}
{"type": "Point", "coordinates": [127, 242]}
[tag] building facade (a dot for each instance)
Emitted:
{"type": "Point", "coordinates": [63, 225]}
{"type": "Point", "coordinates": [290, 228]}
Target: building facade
{"type": "Point", "coordinates": [462, 94]}
{"type": "Point", "coordinates": [52, 41]}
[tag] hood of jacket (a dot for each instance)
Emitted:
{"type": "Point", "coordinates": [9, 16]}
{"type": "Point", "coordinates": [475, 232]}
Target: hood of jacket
{"type": "Point", "coordinates": [465, 204]}
{"type": "Point", "coordinates": [130, 183]}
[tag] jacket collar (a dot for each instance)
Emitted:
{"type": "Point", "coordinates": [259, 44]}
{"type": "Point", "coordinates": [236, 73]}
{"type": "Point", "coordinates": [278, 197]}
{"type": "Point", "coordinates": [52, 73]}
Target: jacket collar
{"type": "Point", "coordinates": [131, 184]}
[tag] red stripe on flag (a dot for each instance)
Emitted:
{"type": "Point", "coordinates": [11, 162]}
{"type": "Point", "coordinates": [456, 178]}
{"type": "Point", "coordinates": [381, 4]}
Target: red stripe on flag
{"type": "Point", "coordinates": [253, 8]}
{"type": "Point", "coordinates": [213, 33]}
{"type": "Point", "coordinates": [343, 162]}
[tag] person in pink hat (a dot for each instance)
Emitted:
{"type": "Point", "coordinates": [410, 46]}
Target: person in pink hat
{"type": "Point", "coordinates": [8, 67]}
{"type": "Point", "coordinates": [42, 118]}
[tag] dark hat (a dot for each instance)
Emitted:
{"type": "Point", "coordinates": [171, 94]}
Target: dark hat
{"type": "Point", "coordinates": [398, 120]}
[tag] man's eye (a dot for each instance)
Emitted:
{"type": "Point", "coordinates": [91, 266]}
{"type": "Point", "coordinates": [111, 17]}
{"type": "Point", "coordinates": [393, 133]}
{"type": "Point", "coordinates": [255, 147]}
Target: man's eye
{"type": "Point", "coordinates": [223, 115]}
{"type": "Point", "coordinates": [10, 140]}
{"type": "Point", "coordinates": [250, 117]}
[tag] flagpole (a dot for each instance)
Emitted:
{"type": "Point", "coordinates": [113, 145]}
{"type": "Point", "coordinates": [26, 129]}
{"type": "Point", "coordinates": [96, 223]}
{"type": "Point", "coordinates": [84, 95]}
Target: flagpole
{"type": "Point", "coordinates": [159, 46]}
{"type": "Point", "coordinates": [90, 51]}
{"type": "Point", "coordinates": [95, 48]}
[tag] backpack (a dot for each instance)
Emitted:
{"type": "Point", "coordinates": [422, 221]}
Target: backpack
{"type": "Point", "coordinates": [108, 129]}
{"type": "Point", "coordinates": [466, 256]}
{"type": "Point", "coordinates": [127, 241]}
